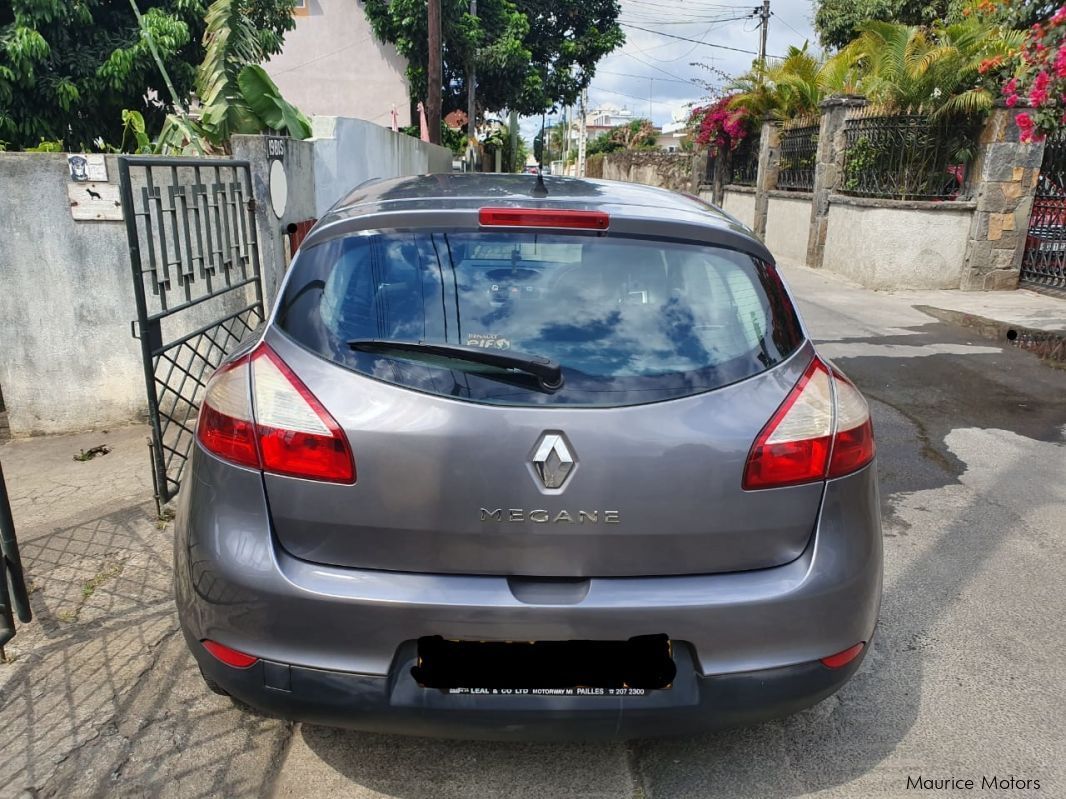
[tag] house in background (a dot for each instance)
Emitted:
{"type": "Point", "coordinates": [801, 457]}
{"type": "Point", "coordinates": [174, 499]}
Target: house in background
{"type": "Point", "coordinates": [673, 136]}
{"type": "Point", "coordinates": [332, 65]}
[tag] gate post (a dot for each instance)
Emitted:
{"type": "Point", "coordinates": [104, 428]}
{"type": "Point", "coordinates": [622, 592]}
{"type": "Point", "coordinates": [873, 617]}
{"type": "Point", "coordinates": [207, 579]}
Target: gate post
{"type": "Point", "coordinates": [1004, 175]}
{"type": "Point", "coordinates": [828, 168]}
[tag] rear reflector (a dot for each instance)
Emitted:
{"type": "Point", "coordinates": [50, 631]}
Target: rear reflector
{"type": "Point", "coordinates": [841, 659]}
{"type": "Point", "coordinates": [543, 218]}
{"type": "Point", "coordinates": [231, 657]}
{"type": "Point", "coordinates": [821, 430]}
{"type": "Point", "coordinates": [289, 432]}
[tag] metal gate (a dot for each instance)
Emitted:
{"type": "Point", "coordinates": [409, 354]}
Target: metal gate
{"type": "Point", "coordinates": [198, 287]}
{"type": "Point", "coordinates": [1044, 261]}
{"type": "Point", "coordinates": [14, 599]}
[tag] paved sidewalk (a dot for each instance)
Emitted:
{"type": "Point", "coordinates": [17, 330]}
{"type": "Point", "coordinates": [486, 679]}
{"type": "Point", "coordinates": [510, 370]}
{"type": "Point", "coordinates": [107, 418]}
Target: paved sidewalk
{"type": "Point", "coordinates": [102, 698]}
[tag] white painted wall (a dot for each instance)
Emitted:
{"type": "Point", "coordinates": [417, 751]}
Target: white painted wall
{"type": "Point", "coordinates": [351, 151]}
{"type": "Point", "coordinates": [788, 223]}
{"type": "Point", "coordinates": [740, 205]}
{"type": "Point", "coordinates": [333, 65]}
{"type": "Point", "coordinates": [897, 248]}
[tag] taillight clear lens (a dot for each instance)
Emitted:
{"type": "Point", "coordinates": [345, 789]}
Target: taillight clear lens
{"type": "Point", "coordinates": [289, 432]}
{"type": "Point", "coordinates": [226, 427]}
{"type": "Point", "coordinates": [853, 445]}
{"type": "Point", "coordinates": [794, 446]}
{"type": "Point", "coordinates": [798, 444]}
{"type": "Point", "coordinates": [297, 435]}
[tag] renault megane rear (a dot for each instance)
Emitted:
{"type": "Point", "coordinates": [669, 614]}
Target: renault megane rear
{"type": "Point", "coordinates": [515, 465]}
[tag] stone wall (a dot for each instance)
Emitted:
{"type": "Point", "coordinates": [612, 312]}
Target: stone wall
{"type": "Point", "coordinates": [674, 171]}
{"type": "Point", "coordinates": [1006, 174]}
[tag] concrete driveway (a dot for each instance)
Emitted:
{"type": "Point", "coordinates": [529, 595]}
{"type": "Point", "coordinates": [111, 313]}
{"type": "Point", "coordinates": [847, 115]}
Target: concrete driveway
{"type": "Point", "coordinates": [965, 678]}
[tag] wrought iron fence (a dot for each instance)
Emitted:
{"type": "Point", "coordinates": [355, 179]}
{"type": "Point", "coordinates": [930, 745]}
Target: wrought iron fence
{"type": "Point", "coordinates": [196, 278]}
{"type": "Point", "coordinates": [799, 150]}
{"type": "Point", "coordinates": [1044, 261]}
{"type": "Point", "coordinates": [744, 162]}
{"type": "Point", "coordinates": [907, 156]}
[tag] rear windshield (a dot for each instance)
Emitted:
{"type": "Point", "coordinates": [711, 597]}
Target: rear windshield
{"type": "Point", "coordinates": [628, 320]}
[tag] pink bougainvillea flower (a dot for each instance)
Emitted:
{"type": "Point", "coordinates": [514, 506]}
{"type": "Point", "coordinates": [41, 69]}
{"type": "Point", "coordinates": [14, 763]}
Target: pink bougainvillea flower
{"type": "Point", "coordinates": [1012, 101]}
{"type": "Point", "coordinates": [1060, 16]}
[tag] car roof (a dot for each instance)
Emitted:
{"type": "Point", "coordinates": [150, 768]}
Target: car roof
{"type": "Point", "coordinates": [464, 190]}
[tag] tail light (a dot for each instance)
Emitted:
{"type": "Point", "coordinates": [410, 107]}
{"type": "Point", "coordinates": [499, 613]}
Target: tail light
{"type": "Point", "coordinates": [821, 430]}
{"type": "Point", "coordinates": [289, 432]}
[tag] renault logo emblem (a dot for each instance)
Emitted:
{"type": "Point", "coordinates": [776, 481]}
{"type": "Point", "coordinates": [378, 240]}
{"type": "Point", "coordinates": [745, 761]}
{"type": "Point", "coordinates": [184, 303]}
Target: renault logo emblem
{"type": "Point", "coordinates": [553, 460]}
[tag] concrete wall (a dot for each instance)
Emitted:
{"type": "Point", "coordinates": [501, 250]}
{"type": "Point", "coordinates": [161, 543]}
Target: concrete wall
{"type": "Point", "coordinates": [891, 245]}
{"type": "Point", "coordinates": [333, 65]}
{"type": "Point", "coordinates": [66, 301]}
{"type": "Point", "coordinates": [67, 358]}
{"type": "Point", "coordinates": [740, 204]}
{"type": "Point", "coordinates": [788, 221]}
{"type": "Point", "coordinates": [351, 151]}
{"type": "Point", "coordinates": [299, 166]}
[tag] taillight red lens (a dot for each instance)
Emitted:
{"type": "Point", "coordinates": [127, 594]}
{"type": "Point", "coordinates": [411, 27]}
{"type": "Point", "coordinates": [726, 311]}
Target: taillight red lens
{"type": "Point", "coordinates": [231, 657]}
{"type": "Point", "coordinates": [289, 432]}
{"type": "Point", "coordinates": [821, 430]}
{"type": "Point", "coordinates": [841, 659]}
{"type": "Point", "coordinates": [544, 218]}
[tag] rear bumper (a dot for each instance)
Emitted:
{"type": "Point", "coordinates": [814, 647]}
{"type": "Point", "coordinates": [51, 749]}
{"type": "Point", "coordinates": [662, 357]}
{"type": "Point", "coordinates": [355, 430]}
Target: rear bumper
{"type": "Point", "coordinates": [752, 640]}
{"type": "Point", "coordinates": [395, 704]}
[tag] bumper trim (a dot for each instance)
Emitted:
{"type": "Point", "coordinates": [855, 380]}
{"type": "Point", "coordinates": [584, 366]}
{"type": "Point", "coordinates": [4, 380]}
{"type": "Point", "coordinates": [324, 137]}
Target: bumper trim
{"type": "Point", "coordinates": [395, 704]}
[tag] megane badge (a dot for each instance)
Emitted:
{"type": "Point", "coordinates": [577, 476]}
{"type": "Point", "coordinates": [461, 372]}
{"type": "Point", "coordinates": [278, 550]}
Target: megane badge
{"type": "Point", "coordinates": [552, 460]}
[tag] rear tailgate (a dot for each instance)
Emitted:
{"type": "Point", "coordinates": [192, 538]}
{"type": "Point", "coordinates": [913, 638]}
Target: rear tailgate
{"type": "Point", "coordinates": [448, 486]}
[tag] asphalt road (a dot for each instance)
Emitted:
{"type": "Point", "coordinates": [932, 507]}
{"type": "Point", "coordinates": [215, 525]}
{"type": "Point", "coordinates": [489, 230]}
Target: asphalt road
{"type": "Point", "coordinates": [965, 679]}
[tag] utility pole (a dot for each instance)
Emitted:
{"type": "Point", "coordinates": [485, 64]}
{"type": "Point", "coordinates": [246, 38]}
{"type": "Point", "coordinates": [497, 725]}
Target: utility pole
{"type": "Point", "coordinates": [764, 24]}
{"type": "Point", "coordinates": [471, 84]}
{"type": "Point", "coordinates": [433, 78]}
{"type": "Point", "coordinates": [582, 141]}
{"type": "Point", "coordinates": [512, 129]}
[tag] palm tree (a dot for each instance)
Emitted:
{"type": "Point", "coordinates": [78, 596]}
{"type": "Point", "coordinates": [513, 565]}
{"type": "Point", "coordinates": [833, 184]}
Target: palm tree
{"type": "Point", "coordinates": [900, 67]}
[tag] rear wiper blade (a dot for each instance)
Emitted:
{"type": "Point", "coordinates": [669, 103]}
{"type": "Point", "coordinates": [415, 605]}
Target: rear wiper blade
{"type": "Point", "coordinates": [548, 373]}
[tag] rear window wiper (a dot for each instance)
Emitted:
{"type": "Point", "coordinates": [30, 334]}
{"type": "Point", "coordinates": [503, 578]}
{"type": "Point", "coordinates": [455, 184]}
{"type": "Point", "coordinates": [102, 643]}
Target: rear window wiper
{"type": "Point", "coordinates": [548, 373]}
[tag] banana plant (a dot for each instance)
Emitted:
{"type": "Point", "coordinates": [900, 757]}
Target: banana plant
{"type": "Point", "coordinates": [236, 94]}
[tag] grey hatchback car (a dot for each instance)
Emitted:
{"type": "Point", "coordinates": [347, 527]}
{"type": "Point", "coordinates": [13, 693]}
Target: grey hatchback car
{"type": "Point", "coordinates": [518, 458]}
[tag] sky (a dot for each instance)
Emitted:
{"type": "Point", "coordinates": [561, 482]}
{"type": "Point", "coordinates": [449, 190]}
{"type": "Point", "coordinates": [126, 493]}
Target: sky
{"type": "Point", "coordinates": [655, 74]}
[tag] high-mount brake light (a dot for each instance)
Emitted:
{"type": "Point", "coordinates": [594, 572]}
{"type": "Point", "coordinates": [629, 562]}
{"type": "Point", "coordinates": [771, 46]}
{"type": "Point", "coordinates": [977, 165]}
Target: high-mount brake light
{"type": "Point", "coordinates": [288, 433]}
{"type": "Point", "coordinates": [821, 430]}
{"type": "Point", "coordinates": [544, 218]}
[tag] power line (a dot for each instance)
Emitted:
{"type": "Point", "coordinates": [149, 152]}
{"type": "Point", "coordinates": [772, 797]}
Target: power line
{"type": "Point", "coordinates": [659, 69]}
{"type": "Point", "coordinates": [686, 39]}
{"type": "Point", "coordinates": [641, 77]}
{"type": "Point", "coordinates": [804, 36]}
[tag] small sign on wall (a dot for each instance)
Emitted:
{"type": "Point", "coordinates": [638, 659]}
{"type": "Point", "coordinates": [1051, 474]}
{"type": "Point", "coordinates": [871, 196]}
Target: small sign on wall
{"type": "Point", "coordinates": [87, 167]}
{"type": "Point", "coordinates": [93, 201]}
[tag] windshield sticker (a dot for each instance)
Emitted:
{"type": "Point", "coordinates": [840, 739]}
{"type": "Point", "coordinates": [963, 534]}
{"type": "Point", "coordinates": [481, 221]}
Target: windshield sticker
{"type": "Point", "coordinates": [488, 341]}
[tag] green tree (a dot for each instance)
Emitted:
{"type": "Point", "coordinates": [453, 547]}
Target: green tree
{"type": "Point", "coordinates": [68, 68]}
{"type": "Point", "coordinates": [837, 21]}
{"type": "Point", "coordinates": [529, 55]}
